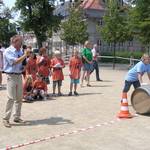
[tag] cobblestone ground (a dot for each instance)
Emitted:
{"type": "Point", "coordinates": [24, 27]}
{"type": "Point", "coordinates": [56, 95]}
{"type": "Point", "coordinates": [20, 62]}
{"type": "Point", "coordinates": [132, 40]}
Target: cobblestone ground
{"type": "Point", "coordinates": [95, 105]}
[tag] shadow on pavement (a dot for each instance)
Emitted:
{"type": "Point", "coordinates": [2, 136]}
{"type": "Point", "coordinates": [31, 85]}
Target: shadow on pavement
{"type": "Point", "coordinates": [101, 81]}
{"type": "Point", "coordinates": [101, 86]}
{"type": "Point", "coordinates": [47, 121]}
{"type": "Point", "coordinates": [47, 99]}
{"type": "Point", "coordinates": [82, 94]}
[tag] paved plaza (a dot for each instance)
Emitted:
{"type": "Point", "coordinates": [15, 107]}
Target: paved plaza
{"type": "Point", "coordinates": [95, 105]}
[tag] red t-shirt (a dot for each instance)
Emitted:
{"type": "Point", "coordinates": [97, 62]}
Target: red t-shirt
{"type": "Point", "coordinates": [31, 68]}
{"type": "Point", "coordinates": [43, 63]}
{"type": "Point", "coordinates": [75, 65]}
{"type": "Point", "coordinates": [40, 84]}
{"type": "Point", "coordinates": [57, 73]}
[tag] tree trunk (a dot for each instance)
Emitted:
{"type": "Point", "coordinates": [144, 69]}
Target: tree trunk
{"type": "Point", "coordinates": [148, 49]}
{"type": "Point", "coordinates": [66, 49]}
{"type": "Point", "coordinates": [114, 55]}
{"type": "Point", "coordinates": [39, 42]}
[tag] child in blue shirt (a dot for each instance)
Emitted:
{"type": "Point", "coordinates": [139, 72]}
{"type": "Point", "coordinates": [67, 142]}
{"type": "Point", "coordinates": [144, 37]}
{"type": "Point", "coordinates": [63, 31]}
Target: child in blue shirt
{"type": "Point", "coordinates": [134, 75]}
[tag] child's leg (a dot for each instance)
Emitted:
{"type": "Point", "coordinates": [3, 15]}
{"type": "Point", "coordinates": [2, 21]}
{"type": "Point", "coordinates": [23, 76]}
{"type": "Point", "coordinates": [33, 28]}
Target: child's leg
{"type": "Point", "coordinates": [42, 93]}
{"type": "Point", "coordinates": [136, 84]}
{"type": "Point", "coordinates": [76, 82]}
{"type": "Point", "coordinates": [82, 79]}
{"type": "Point", "coordinates": [71, 85]}
{"type": "Point", "coordinates": [127, 86]}
{"type": "Point", "coordinates": [35, 93]}
{"type": "Point", "coordinates": [54, 86]}
{"type": "Point", "coordinates": [75, 87]}
{"type": "Point", "coordinates": [59, 89]}
{"type": "Point", "coordinates": [88, 77]}
{"type": "Point", "coordinates": [59, 86]}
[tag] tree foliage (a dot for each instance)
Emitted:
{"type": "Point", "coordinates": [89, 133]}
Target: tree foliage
{"type": "Point", "coordinates": [74, 30]}
{"type": "Point", "coordinates": [37, 16]}
{"type": "Point", "coordinates": [7, 29]}
{"type": "Point", "coordinates": [115, 27]}
{"type": "Point", "coordinates": [140, 21]}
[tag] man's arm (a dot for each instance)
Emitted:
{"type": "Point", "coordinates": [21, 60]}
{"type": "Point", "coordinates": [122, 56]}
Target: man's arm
{"type": "Point", "coordinates": [90, 62]}
{"type": "Point", "coordinates": [20, 59]}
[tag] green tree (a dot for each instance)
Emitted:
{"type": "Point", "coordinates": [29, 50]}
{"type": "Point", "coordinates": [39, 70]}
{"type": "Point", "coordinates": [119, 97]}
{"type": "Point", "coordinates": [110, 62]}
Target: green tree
{"type": "Point", "coordinates": [140, 21]}
{"type": "Point", "coordinates": [38, 16]}
{"type": "Point", "coordinates": [7, 29]}
{"type": "Point", "coordinates": [74, 30]}
{"type": "Point", "coordinates": [115, 27]}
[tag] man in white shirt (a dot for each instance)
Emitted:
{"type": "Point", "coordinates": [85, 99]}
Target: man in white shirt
{"type": "Point", "coordinates": [13, 58]}
{"type": "Point", "coordinates": [95, 62]}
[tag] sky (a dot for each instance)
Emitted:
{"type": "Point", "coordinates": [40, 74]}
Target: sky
{"type": "Point", "coordinates": [9, 3]}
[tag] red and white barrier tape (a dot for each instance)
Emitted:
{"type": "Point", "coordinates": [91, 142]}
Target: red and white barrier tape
{"type": "Point", "coordinates": [60, 135]}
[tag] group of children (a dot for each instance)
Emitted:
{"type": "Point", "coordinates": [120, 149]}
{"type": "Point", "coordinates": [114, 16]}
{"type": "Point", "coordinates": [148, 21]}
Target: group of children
{"type": "Point", "coordinates": [39, 68]}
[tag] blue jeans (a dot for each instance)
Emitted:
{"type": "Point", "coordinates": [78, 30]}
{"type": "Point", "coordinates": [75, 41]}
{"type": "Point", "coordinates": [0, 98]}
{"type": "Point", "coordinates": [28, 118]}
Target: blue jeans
{"type": "Point", "coordinates": [128, 84]}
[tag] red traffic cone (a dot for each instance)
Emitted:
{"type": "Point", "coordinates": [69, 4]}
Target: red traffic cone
{"type": "Point", "coordinates": [124, 111]}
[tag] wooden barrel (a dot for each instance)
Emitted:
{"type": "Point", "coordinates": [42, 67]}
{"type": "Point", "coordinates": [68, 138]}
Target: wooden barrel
{"type": "Point", "coordinates": [140, 99]}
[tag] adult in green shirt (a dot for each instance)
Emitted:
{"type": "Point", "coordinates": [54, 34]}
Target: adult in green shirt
{"type": "Point", "coordinates": [87, 58]}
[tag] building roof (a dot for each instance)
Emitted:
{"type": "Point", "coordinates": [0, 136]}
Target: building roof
{"type": "Point", "coordinates": [92, 4]}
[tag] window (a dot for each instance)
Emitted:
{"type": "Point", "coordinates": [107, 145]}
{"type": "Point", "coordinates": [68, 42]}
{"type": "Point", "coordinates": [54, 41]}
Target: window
{"type": "Point", "coordinates": [100, 22]}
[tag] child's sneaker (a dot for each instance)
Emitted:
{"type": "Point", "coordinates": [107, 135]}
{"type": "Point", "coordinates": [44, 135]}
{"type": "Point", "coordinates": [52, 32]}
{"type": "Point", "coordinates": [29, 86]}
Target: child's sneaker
{"type": "Point", "coordinates": [70, 94]}
{"type": "Point", "coordinates": [60, 94]}
{"type": "Point", "coordinates": [75, 93]}
{"type": "Point", "coordinates": [54, 95]}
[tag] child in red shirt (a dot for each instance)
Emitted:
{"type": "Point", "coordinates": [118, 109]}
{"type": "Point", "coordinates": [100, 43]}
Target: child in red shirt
{"type": "Point", "coordinates": [31, 67]}
{"type": "Point", "coordinates": [75, 65]}
{"type": "Point", "coordinates": [28, 89]}
{"type": "Point", "coordinates": [39, 88]}
{"type": "Point", "coordinates": [57, 64]}
{"type": "Point", "coordinates": [43, 63]}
